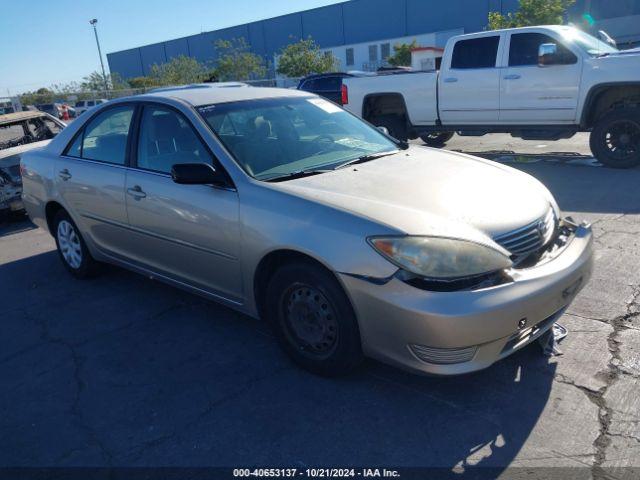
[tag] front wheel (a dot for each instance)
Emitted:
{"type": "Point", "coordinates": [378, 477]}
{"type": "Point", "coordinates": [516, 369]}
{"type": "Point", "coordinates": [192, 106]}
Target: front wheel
{"type": "Point", "coordinates": [437, 139]}
{"type": "Point", "coordinates": [313, 319]}
{"type": "Point", "coordinates": [615, 140]}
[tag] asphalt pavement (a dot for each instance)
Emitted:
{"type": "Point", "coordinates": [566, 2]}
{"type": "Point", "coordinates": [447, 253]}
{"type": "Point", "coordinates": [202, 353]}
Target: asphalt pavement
{"type": "Point", "coordinates": [125, 371]}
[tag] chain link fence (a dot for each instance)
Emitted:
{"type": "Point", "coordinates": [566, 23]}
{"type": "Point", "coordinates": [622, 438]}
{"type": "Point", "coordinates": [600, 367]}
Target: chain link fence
{"type": "Point", "coordinates": [72, 98]}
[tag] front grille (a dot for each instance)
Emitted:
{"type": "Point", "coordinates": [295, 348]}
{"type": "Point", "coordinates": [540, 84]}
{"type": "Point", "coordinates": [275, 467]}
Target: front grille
{"type": "Point", "coordinates": [530, 238]}
{"type": "Point", "coordinates": [444, 356]}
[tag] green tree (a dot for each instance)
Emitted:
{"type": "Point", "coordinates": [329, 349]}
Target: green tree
{"type": "Point", "coordinates": [179, 71]}
{"type": "Point", "coordinates": [143, 82]}
{"type": "Point", "coordinates": [304, 58]}
{"type": "Point", "coordinates": [402, 54]}
{"type": "Point", "coordinates": [237, 62]}
{"type": "Point", "coordinates": [530, 13]}
{"type": "Point", "coordinates": [94, 82]}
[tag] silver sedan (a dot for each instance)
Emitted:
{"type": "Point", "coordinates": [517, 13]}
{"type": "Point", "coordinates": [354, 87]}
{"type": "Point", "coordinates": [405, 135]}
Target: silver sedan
{"type": "Point", "coordinates": [280, 204]}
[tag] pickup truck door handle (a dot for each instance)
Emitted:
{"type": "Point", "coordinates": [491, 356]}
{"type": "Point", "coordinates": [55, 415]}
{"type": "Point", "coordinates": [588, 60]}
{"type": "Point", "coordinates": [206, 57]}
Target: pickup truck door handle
{"type": "Point", "coordinates": [64, 174]}
{"type": "Point", "coordinates": [136, 192]}
{"type": "Point", "coordinates": [514, 76]}
{"type": "Point", "coordinates": [450, 80]}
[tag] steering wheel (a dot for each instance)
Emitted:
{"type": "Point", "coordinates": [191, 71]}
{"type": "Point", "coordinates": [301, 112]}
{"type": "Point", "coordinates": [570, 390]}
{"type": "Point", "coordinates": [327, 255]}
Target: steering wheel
{"type": "Point", "coordinates": [326, 140]}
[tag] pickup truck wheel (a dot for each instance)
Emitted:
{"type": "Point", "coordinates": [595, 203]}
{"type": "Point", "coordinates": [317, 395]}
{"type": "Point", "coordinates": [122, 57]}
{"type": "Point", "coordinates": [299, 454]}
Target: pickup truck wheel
{"type": "Point", "coordinates": [71, 247]}
{"type": "Point", "coordinates": [313, 319]}
{"type": "Point", "coordinates": [615, 140]}
{"type": "Point", "coordinates": [437, 140]}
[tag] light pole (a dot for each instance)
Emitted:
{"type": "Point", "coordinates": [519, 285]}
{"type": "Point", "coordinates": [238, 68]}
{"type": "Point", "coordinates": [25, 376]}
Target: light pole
{"type": "Point", "coordinates": [93, 22]}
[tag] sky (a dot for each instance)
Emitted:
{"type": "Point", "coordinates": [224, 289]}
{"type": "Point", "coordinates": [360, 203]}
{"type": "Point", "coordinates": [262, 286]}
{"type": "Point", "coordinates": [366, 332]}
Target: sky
{"type": "Point", "coordinates": [44, 42]}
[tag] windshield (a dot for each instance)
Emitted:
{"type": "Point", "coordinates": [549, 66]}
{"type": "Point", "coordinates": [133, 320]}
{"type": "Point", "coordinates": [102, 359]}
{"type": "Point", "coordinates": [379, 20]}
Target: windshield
{"type": "Point", "coordinates": [275, 137]}
{"type": "Point", "coordinates": [586, 42]}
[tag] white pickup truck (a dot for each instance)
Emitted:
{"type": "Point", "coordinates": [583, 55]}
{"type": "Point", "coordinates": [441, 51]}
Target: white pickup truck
{"type": "Point", "coordinates": [537, 83]}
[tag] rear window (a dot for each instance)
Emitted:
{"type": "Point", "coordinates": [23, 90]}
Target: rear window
{"type": "Point", "coordinates": [476, 53]}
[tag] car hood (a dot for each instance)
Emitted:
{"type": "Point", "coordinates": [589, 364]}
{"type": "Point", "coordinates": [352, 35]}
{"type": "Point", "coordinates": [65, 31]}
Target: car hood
{"type": "Point", "coordinates": [423, 191]}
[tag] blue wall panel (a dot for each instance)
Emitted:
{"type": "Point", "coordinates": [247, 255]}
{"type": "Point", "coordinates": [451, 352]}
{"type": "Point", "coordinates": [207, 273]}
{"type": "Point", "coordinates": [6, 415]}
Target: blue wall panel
{"type": "Point", "coordinates": [152, 54]}
{"type": "Point", "coordinates": [176, 48]}
{"type": "Point", "coordinates": [256, 38]}
{"type": "Point", "coordinates": [433, 15]}
{"type": "Point", "coordinates": [324, 25]}
{"type": "Point", "coordinates": [366, 20]}
{"type": "Point", "coordinates": [126, 63]}
{"type": "Point", "coordinates": [281, 31]}
{"type": "Point", "coordinates": [200, 47]}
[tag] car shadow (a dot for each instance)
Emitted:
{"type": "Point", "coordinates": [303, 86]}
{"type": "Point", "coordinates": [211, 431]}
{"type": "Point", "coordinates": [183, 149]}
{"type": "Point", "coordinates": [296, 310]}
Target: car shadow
{"type": "Point", "coordinates": [122, 370]}
{"type": "Point", "coordinates": [586, 189]}
{"type": "Point", "coordinates": [16, 225]}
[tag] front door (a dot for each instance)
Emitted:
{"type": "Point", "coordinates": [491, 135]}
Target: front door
{"type": "Point", "coordinates": [90, 178]}
{"type": "Point", "coordinates": [188, 232]}
{"type": "Point", "coordinates": [469, 88]}
{"type": "Point", "coordinates": [534, 94]}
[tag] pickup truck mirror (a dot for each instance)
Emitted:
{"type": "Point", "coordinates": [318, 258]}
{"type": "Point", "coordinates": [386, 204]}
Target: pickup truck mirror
{"type": "Point", "coordinates": [194, 174]}
{"type": "Point", "coordinates": [547, 54]}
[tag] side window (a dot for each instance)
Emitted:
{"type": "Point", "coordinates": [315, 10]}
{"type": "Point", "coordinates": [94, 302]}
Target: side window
{"type": "Point", "coordinates": [105, 137]}
{"type": "Point", "coordinates": [328, 84]}
{"type": "Point", "coordinates": [476, 53]}
{"type": "Point", "coordinates": [523, 50]}
{"type": "Point", "coordinates": [166, 139]}
{"type": "Point", "coordinates": [75, 149]}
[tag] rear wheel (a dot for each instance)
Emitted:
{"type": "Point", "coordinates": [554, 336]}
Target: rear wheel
{"type": "Point", "coordinates": [615, 140]}
{"type": "Point", "coordinates": [437, 139]}
{"type": "Point", "coordinates": [71, 247]}
{"type": "Point", "coordinates": [313, 319]}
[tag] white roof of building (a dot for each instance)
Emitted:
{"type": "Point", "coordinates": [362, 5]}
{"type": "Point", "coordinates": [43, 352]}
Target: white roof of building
{"type": "Point", "coordinates": [211, 93]}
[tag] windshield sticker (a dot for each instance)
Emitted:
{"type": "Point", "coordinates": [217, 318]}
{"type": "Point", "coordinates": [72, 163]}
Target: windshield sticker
{"type": "Point", "coordinates": [324, 105]}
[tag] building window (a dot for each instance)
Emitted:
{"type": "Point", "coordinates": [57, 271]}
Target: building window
{"type": "Point", "coordinates": [373, 53]}
{"type": "Point", "coordinates": [350, 57]}
{"type": "Point", "coordinates": [385, 50]}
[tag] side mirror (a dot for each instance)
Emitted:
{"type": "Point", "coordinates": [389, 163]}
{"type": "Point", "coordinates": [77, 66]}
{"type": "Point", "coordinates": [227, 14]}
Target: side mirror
{"type": "Point", "coordinates": [194, 174]}
{"type": "Point", "coordinates": [546, 54]}
{"type": "Point", "coordinates": [384, 130]}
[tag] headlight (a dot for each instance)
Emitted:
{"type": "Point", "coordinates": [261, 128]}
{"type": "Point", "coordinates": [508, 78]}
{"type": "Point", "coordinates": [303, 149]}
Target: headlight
{"type": "Point", "coordinates": [440, 258]}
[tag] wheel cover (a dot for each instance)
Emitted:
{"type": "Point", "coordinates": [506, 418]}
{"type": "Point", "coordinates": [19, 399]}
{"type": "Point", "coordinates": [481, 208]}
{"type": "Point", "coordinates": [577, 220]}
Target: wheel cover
{"type": "Point", "coordinates": [622, 139]}
{"type": "Point", "coordinates": [69, 242]}
{"type": "Point", "coordinates": [310, 321]}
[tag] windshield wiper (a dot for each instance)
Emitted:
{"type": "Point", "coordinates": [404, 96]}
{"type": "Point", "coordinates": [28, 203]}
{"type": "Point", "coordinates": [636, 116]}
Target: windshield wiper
{"type": "Point", "coordinates": [366, 158]}
{"type": "Point", "coordinates": [296, 174]}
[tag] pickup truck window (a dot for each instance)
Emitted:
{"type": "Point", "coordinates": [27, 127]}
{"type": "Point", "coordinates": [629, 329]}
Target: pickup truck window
{"type": "Point", "coordinates": [523, 50]}
{"type": "Point", "coordinates": [476, 53]}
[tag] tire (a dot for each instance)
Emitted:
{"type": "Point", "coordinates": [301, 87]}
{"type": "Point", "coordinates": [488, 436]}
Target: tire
{"type": "Point", "coordinates": [4, 216]}
{"type": "Point", "coordinates": [313, 319]}
{"type": "Point", "coordinates": [72, 248]}
{"type": "Point", "coordinates": [615, 139]}
{"type": "Point", "coordinates": [395, 124]}
{"type": "Point", "coordinates": [437, 139]}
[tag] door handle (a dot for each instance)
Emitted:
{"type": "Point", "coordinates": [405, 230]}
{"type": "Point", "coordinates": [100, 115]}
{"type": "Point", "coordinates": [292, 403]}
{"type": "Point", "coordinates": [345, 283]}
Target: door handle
{"type": "Point", "coordinates": [136, 192]}
{"type": "Point", "coordinates": [64, 175]}
{"type": "Point", "coordinates": [450, 80]}
{"type": "Point", "coordinates": [514, 76]}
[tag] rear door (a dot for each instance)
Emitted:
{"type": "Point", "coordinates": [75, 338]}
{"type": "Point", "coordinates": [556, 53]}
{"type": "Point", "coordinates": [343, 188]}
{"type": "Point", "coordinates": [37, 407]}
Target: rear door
{"type": "Point", "coordinates": [188, 232]}
{"type": "Point", "coordinates": [469, 90]}
{"type": "Point", "coordinates": [90, 177]}
{"type": "Point", "coordinates": [539, 94]}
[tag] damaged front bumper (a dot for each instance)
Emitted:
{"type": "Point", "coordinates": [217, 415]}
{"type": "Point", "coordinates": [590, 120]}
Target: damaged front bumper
{"type": "Point", "coordinates": [455, 332]}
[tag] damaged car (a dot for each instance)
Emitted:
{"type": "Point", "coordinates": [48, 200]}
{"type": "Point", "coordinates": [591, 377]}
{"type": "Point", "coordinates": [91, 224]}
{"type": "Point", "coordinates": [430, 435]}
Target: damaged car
{"type": "Point", "coordinates": [19, 133]}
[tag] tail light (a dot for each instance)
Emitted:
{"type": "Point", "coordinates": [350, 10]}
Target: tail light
{"type": "Point", "coordinates": [345, 95]}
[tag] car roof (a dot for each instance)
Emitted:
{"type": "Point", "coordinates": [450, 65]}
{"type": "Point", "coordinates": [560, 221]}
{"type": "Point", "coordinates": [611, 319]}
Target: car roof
{"type": "Point", "coordinates": [213, 93]}
{"type": "Point", "coordinates": [19, 116]}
